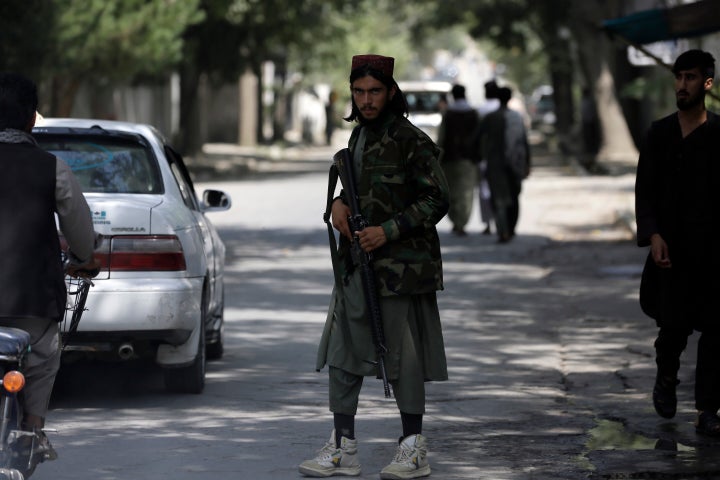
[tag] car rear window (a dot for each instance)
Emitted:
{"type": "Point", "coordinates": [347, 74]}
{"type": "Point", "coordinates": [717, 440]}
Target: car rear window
{"type": "Point", "coordinates": [106, 165]}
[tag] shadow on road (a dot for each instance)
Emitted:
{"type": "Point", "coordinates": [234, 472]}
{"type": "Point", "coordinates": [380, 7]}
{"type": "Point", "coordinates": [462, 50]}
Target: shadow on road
{"type": "Point", "coordinates": [551, 361]}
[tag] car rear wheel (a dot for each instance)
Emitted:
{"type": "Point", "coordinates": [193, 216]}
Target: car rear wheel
{"type": "Point", "coordinates": [215, 349]}
{"type": "Point", "coordinates": [190, 379]}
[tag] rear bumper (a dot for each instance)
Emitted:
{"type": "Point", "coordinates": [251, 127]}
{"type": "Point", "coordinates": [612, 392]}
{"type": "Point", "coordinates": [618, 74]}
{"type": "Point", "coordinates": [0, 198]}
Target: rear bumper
{"type": "Point", "coordinates": [142, 305]}
{"type": "Point", "coordinates": [151, 311]}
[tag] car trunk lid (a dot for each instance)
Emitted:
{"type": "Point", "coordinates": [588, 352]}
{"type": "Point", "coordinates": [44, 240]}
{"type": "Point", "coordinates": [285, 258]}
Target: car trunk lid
{"type": "Point", "coordinates": [121, 215]}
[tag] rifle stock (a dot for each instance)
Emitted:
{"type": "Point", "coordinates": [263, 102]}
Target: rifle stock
{"type": "Point", "coordinates": [357, 223]}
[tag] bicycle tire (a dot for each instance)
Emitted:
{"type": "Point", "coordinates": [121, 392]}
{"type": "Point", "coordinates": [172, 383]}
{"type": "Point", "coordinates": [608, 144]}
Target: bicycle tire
{"type": "Point", "coordinates": [80, 300]}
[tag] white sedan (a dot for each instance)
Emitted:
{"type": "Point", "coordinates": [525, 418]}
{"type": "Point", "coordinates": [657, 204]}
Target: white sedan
{"type": "Point", "coordinates": [160, 291]}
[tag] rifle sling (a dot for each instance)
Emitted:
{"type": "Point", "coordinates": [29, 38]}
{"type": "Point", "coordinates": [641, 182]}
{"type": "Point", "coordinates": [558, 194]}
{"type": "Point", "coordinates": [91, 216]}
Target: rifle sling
{"type": "Point", "coordinates": [332, 183]}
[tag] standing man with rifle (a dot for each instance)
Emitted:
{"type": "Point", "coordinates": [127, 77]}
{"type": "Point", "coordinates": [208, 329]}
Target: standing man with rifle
{"type": "Point", "coordinates": [401, 194]}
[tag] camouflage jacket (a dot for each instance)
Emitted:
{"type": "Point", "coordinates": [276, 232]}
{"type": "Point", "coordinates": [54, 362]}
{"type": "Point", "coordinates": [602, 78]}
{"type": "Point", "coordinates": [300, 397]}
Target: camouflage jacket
{"type": "Point", "coordinates": [403, 189]}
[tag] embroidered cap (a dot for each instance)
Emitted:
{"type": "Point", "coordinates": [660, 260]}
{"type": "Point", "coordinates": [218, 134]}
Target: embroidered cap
{"type": "Point", "coordinates": [377, 62]}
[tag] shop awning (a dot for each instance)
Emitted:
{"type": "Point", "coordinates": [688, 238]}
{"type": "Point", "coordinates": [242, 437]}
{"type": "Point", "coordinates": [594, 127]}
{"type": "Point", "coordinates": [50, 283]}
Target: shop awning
{"type": "Point", "coordinates": [683, 21]}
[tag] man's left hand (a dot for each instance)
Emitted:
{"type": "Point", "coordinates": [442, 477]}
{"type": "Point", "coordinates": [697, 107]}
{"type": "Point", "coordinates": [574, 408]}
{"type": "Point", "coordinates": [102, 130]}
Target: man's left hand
{"type": "Point", "coordinates": [371, 238]}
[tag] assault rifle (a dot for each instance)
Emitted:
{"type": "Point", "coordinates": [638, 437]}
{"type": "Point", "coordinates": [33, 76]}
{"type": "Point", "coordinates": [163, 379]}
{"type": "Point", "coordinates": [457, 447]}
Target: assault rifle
{"type": "Point", "coordinates": [357, 222]}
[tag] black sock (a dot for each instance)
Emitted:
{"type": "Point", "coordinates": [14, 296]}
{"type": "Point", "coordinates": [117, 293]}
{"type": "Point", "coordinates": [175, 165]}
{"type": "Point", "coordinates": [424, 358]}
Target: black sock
{"type": "Point", "coordinates": [411, 423]}
{"type": "Point", "coordinates": [344, 427]}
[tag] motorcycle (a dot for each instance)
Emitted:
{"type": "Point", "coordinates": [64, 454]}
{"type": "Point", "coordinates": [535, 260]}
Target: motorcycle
{"type": "Point", "coordinates": [15, 458]}
{"type": "Point", "coordinates": [22, 450]}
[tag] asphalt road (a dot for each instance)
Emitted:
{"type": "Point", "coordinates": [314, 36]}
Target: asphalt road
{"type": "Point", "coordinates": [550, 359]}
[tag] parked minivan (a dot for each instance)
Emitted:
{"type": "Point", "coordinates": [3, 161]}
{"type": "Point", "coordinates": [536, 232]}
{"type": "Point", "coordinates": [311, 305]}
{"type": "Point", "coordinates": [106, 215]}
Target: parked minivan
{"type": "Point", "coordinates": [426, 101]}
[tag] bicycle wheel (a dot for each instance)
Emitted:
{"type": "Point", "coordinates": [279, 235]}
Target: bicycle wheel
{"type": "Point", "coordinates": [80, 299]}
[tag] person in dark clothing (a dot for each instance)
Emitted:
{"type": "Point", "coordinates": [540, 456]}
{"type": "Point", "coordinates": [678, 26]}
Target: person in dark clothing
{"type": "Point", "coordinates": [590, 126]}
{"type": "Point", "coordinates": [678, 179]}
{"type": "Point", "coordinates": [36, 186]}
{"type": "Point", "coordinates": [459, 160]}
{"type": "Point", "coordinates": [330, 117]}
{"type": "Point", "coordinates": [504, 145]}
{"type": "Point", "coordinates": [486, 210]}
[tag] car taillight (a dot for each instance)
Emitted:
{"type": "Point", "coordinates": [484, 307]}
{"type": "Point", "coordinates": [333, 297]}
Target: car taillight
{"type": "Point", "coordinates": [146, 253]}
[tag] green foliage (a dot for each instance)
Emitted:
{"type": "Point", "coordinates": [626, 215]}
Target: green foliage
{"type": "Point", "coordinates": [526, 69]}
{"type": "Point", "coordinates": [495, 20]}
{"type": "Point", "coordinates": [513, 33]}
{"type": "Point", "coordinates": [213, 46]}
{"type": "Point", "coordinates": [306, 31]}
{"type": "Point", "coordinates": [712, 102]}
{"type": "Point", "coordinates": [374, 29]}
{"type": "Point", "coordinates": [316, 38]}
{"type": "Point", "coordinates": [101, 41]}
{"type": "Point", "coordinates": [120, 39]}
{"type": "Point", "coordinates": [304, 35]}
{"type": "Point", "coordinates": [25, 34]}
{"type": "Point", "coordinates": [374, 26]}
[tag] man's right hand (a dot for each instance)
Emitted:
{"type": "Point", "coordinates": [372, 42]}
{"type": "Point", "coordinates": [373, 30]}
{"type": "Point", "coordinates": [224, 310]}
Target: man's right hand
{"type": "Point", "coordinates": [340, 213]}
{"type": "Point", "coordinates": [89, 269]}
{"type": "Point", "coordinates": [660, 252]}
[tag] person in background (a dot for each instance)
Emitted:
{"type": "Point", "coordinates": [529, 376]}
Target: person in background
{"type": "Point", "coordinates": [403, 195]}
{"type": "Point", "coordinates": [504, 145]}
{"type": "Point", "coordinates": [590, 126]}
{"type": "Point", "coordinates": [676, 188]}
{"type": "Point", "coordinates": [36, 186]}
{"type": "Point", "coordinates": [491, 102]}
{"type": "Point", "coordinates": [486, 210]}
{"type": "Point", "coordinates": [459, 160]}
{"type": "Point", "coordinates": [330, 117]}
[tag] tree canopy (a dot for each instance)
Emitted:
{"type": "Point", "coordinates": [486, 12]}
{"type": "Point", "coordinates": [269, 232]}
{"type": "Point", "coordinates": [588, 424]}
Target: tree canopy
{"type": "Point", "coordinates": [90, 41]}
{"type": "Point", "coordinates": [25, 35]}
{"type": "Point", "coordinates": [67, 43]}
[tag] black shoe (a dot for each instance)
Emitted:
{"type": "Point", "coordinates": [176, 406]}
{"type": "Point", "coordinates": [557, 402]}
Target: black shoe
{"type": "Point", "coordinates": [43, 448]}
{"type": "Point", "coordinates": [708, 423]}
{"type": "Point", "coordinates": [666, 444]}
{"type": "Point", "coordinates": [504, 238]}
{"type": "Point", "coordinates": [664, 396]}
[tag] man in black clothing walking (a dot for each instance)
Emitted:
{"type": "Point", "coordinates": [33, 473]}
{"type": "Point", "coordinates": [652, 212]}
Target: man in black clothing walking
{"type": "Point", "coordinates": [678, 181]}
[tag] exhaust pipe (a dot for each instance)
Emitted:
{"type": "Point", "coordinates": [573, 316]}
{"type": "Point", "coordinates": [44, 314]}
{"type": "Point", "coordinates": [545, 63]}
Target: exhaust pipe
{"type": "Point", "coordinates": [126, 351]}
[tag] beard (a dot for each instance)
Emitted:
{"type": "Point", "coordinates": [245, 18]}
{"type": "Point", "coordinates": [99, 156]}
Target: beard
{"type": "Point", "coordinates": [690, 101]}
{"type": "Point", "coordinates": [376, 119]}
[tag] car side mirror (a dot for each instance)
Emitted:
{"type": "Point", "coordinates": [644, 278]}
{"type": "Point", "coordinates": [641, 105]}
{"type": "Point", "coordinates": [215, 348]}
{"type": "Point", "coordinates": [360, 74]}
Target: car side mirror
{"type": "Point", "coordinates": [216, 201]}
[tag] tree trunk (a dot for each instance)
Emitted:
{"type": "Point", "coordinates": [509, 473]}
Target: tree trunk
{"type": "Point", "coordinates": [257, 70]}
{"type": "Point", "coordinates": [562, 83]}
{"type": "Point", "coordinates": [63, 92]}
{"type": "Point", "coordinates": [189, 141]}
{"type": "Point", "coordinates": [279, 100]}
{"type": "Point", "coordinates": [616, 142]}
{"type": "Point", "coordinates": [556, 41]}
{"type": "Point", "coordinates": [595, 57]}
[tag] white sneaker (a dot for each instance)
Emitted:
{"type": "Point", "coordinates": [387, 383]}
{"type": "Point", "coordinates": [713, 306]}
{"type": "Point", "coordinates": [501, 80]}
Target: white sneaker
{"type": "Point", "coordinates": [410, 460]}
{"type": "Point", "coordinates": [331, 461]}
{"type": "Point", "coordinates": [11, 474]}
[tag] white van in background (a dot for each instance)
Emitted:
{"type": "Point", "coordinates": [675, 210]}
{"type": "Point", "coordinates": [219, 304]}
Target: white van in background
{"type": "Point", "coordinates": [427, 101]}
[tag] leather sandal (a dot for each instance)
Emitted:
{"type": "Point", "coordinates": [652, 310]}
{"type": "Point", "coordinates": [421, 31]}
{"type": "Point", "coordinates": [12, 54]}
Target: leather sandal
{"type": "Point", "coordinates": [708, 423]}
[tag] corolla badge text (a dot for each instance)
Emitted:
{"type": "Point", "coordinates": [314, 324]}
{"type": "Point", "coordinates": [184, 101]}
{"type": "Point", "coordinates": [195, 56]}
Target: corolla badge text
{"type": "Point", "coordinates": [128, 229]}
